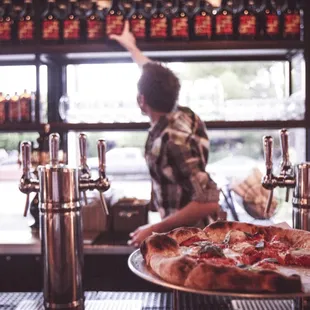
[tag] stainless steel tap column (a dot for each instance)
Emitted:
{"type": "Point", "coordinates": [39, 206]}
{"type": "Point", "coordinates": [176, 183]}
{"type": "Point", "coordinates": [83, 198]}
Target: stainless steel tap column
{"type": "Point", "coordinates": [301, 197]}
{"type": "Point", "coordinates": [59, 189]}
{"type": "Point", "coordinates": [297, 177]}
{"type": "Point", "coordinates": [61, 233]}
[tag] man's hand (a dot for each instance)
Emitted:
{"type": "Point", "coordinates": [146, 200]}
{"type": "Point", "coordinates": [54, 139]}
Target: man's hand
{"type": "Point", "coordinates": [126, 39]}
{"type": "Point", "coordinates": [140, 234]}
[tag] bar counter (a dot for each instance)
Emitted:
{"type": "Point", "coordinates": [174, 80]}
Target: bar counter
{"type": "Point", "coordinates": [105, 260]}
{"type": "Point", "coordinates": [150, 301]}
{"type": "Point", "coordinates": [108, 282]}
{"type": "Point", "coordinates": [24, 242]}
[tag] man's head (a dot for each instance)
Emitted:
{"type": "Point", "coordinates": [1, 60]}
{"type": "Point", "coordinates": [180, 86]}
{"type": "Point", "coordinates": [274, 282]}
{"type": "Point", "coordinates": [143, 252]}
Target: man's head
{"type": "Point", "coordinates": [158, 88]}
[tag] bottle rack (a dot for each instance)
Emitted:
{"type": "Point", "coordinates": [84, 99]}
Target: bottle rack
{"type": "Point", "coordinates": [52, 21]}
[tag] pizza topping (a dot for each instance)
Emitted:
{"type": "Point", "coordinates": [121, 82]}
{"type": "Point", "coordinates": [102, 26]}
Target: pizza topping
{"type": "Point", "coordinates": [266, 263]}
{"type": "Point", "coordinates": [271, 260]}
{"type": "Point", "coordinates": [251, 256]}
{"type": "Point", "coordinates": [299, 257]}
{"type": "Point", "coordinates": [260, 245]}
{"type": "Point", "coordinates": [234, 236]}
{"type": "Point", "coordinates": [202, 243]}
{"type": "Point", "coordinates": [242, 266]}
{"type": "Point", "coordinates": [256, 237]}
{"type": "Point", "coordinates": [218, 261]}
{"type": "Point", "coordinates": [279, 245]}
{"type": "Point", "coordinates": [212, 251]}
{"type": "Point", "coordinates": [193, 240]}
{"type": "Point", "coordinates": [241, 247]}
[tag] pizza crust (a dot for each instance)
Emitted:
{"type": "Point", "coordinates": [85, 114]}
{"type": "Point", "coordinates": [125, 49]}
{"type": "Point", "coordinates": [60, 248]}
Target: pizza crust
{"type": "Point", "coordinates": [297, 238]}
{"type": "Point", "coordinates": [222, 278]}
{"type": "Point", "coordinates": [164, 255]}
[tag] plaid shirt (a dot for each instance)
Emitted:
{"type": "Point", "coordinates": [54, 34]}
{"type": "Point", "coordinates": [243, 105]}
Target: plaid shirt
{"type": "Point", "coordinates": [177, 152]}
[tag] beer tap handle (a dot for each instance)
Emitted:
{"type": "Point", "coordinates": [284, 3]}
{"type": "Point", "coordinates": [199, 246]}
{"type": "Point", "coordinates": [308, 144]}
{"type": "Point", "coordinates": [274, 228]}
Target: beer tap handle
{"type": "Point", "coordinates": [54, 141]}
{"type": "Point", "coordinates": [26, 163]}
{"type": "Point", "coordinates": [27, 205]}
{"type": "Point", "coordinates": [102, 169]}
{"type": "Point", "coordinates": [268, 178]}
{"type": "Point", "coordinates": [101, 155]}
{"type": "Point", "coordinates": [287, 194]}
{"type": "Point", "coordinates": [83, 150]}
{"type": "Point", "coordinates": [85, 172]}
{"type": "Point", "coordinates": [268, 143]}
{"type": "Point", "coordinates": [285, 164]}
{"type": "Point", "coordinates": [269, 202]}
{"type": "Point", "coordinates": [104, 204]}
{"type": "Point", "coordinates": [26, 159]}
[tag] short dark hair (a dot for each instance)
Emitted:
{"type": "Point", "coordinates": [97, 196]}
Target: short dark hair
{"type": "Point", "coordinates": [159, 86]}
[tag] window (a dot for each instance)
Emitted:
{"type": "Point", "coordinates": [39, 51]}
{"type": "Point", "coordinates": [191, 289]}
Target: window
{"type": "Point", "coordinates": [12, 200]}
{"type": "Point", "coordinates": [230, 91]}
{"type": "Point", "coordinates": [19, 78]}
{"type": "Point", "coordinates": [233, 156]}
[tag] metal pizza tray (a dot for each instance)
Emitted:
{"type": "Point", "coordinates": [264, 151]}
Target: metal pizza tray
{"type": "Point", "coordinates": [137, 265]}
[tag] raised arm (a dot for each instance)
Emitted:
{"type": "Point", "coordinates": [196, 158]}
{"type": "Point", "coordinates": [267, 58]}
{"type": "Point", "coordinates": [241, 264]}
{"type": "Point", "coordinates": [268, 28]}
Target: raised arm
{"type": "Point", "coordinates": [128, 41]}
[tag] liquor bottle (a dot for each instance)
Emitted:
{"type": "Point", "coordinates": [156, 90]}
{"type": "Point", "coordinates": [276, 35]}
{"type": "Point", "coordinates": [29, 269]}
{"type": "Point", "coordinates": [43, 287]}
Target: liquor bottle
{"type": "Point", "coordinates": [190, 6]}
{"type": "Point", "coordinates": [94, 24]}
{"type": "Point", "coordinates": [223, 21]}
{"type": "Point", "coordinates": [292, 17]}
{"type": "Point", "coordinates": [13, 108]}
{"type": "Point", "coordinates": [201, 25]}
{"type": "Point", "coordinates": [7, 23]}
{"type": "Point", "coordinates": [26, 26]}
{"type": "Point", "coordinates": [247, 21]}
{"type": "Point", "coordinates": [115, 19]}
{"type": "Point", "coordinates": [127, 7]}
{"type": "Point", "coordinates": [179, 23]}
{"type": "Point", "coordinates": [168, 6]}
{"type": "Point", "coordinates": [26, 102]}
{"type": "Point", "coordinates": [148, 6]}
{"type": "Point", "coordinates": [271, 21]}
{"type": "Point", "coordinates": [3, 109]}
{"type": "Point", "coordinates": [71, 25]}
{"type": "Point", "coordinates": [138, 20]}
{"type": "Point", "coordinates": [158, 23]}
{"type": "Point", "coordinates": [50, 24]}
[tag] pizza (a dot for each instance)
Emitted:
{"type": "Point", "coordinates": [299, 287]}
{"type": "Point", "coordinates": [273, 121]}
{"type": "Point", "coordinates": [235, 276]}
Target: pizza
{"type": "Point", "coordinates": [231, 256]}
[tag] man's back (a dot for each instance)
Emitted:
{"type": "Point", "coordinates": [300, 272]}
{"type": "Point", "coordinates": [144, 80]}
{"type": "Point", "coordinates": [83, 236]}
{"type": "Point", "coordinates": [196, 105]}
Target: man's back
{"type": "Point", "coordinates": [177, 152]}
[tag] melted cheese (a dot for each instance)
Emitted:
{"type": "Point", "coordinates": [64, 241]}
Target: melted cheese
{"type": "Point", "coordinates": [192, 251]}
{"type": "Point", "coordinates": [234, 236]}
{"type": "Point", "coordinates": [240, 247]}
{"type": "Point", "coordinates": [300, 252]}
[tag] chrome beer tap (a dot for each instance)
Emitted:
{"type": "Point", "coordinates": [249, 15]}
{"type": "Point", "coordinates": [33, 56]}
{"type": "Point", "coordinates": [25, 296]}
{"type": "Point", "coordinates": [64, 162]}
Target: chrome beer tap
{"type": "Point", "coordinates": [297, 177]}
{"type": "Point", "coordinates": [102, 183]}
{"type": "Point", "coordinates": [85, 173]}
{"type": "Point", "coordinates": [286, 168]}
{"type": "Point", "coordinates": [28, 183]}
{"type": "Point", "coordinates": [59, 189]}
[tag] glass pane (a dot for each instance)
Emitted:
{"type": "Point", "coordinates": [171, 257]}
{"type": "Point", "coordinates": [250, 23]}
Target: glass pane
{"type": "Point", "coordinates": [228, 91]}
{"type": "Point", "coordinates": [234, 156]}
{"type": "Point", "coordinates": [12, 200]}
{"type": "Point", "coordinates": [237, 156]}
{"type": "Point", "coordinates": [125, 164]}
{"type": "Point", "coordinates": [103, 93]}
{"type": "Point", "coordinates": [43, 93]}
{"type": "Point", "coordinates": [233, 91]}
{"type": "Point", "coordinates": [295, 103]}
{"type": "Point", "coordinates": [19, 78]}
